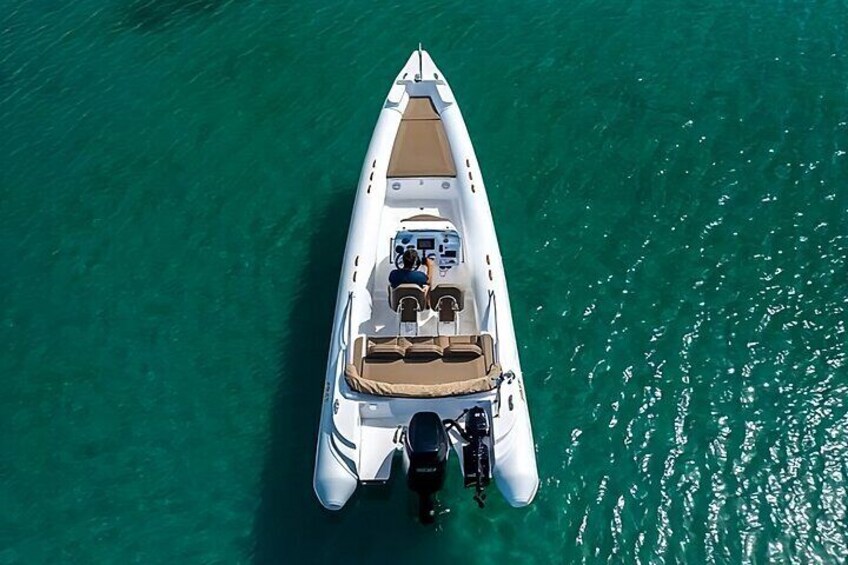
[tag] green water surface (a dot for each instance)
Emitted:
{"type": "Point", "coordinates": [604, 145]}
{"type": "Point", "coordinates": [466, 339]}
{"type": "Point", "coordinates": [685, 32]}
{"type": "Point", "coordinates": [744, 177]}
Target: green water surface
{"type": "Point", "coordinates": [668, 182]}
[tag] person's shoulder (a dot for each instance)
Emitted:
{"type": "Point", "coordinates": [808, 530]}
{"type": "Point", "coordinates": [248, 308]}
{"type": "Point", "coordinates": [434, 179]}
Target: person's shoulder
{"type": "Point", "coordinates": [395, 277]}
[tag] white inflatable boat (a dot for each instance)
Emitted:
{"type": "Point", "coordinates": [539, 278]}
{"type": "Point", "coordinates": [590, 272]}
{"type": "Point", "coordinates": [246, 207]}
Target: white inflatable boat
{"type": "Point", "coordinates": [419, 372]}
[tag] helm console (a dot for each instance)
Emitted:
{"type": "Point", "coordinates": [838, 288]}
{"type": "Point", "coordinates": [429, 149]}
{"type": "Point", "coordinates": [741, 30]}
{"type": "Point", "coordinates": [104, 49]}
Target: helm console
{"type": "Point", "coordinates": [443, 245]}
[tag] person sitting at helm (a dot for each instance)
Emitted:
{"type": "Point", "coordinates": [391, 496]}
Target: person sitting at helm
{"type": "Point", "coordinates": [409, 274]}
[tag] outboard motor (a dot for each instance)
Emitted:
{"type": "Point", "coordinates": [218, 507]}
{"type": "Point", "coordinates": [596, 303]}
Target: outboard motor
{"type": "Point", "coordinates": [475, 454]}
{"type": "Point", "coordinates": [427, 449]}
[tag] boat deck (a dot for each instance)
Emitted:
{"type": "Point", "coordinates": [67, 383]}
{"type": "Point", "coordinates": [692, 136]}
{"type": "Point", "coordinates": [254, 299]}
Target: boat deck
{"type": "Point", "coordinates": [421, 147]}
{"type": "Point", "coordinates": [384, 321]}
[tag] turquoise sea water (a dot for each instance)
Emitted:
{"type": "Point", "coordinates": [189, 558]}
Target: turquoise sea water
{"type": "Point", "coordinates": [668, 181]}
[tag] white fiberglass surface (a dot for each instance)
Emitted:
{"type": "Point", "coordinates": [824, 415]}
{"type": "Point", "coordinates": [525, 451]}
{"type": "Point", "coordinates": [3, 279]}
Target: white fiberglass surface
{"type": "Point", "coordinates": [384, 321]}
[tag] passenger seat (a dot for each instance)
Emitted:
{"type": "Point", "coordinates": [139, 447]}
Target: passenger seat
{"type": "Point", "coordinates": [447, 300]}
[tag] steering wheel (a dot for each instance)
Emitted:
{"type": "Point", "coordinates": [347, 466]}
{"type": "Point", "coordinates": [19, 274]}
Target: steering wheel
{"type": "Point", "coordinates": [399, 262]}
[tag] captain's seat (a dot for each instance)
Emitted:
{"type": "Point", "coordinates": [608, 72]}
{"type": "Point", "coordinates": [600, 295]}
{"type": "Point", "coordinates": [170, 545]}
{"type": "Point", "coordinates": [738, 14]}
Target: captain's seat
{"type": "Point", "coordinates": [408, 300]}
{"type": "Point", "coordinates": [447, 300]}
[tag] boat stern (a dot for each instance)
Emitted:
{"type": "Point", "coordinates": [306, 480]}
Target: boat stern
{"type": "Point", "coordinates": [333, 482]}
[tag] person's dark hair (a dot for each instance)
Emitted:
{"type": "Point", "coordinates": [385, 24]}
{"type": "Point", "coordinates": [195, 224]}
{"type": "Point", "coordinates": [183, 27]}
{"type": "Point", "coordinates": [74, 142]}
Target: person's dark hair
{"type": "Point", "coordinates": [410, 258]}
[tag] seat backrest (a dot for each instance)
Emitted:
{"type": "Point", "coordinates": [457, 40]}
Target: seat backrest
{"type": "Point", "coordinates": [401, 291]}
{"type": "Point", "coordinates": [446, 299]}
{"type": "Point", "coordinates": [409, 299]}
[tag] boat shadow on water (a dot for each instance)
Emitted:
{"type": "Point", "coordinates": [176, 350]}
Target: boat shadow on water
{"type": "Point", "coordinates": [290, 525]}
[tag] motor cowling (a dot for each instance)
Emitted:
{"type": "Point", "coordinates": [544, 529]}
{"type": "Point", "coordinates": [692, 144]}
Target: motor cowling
{"type": "Point", "coordinates": [427, 448]}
